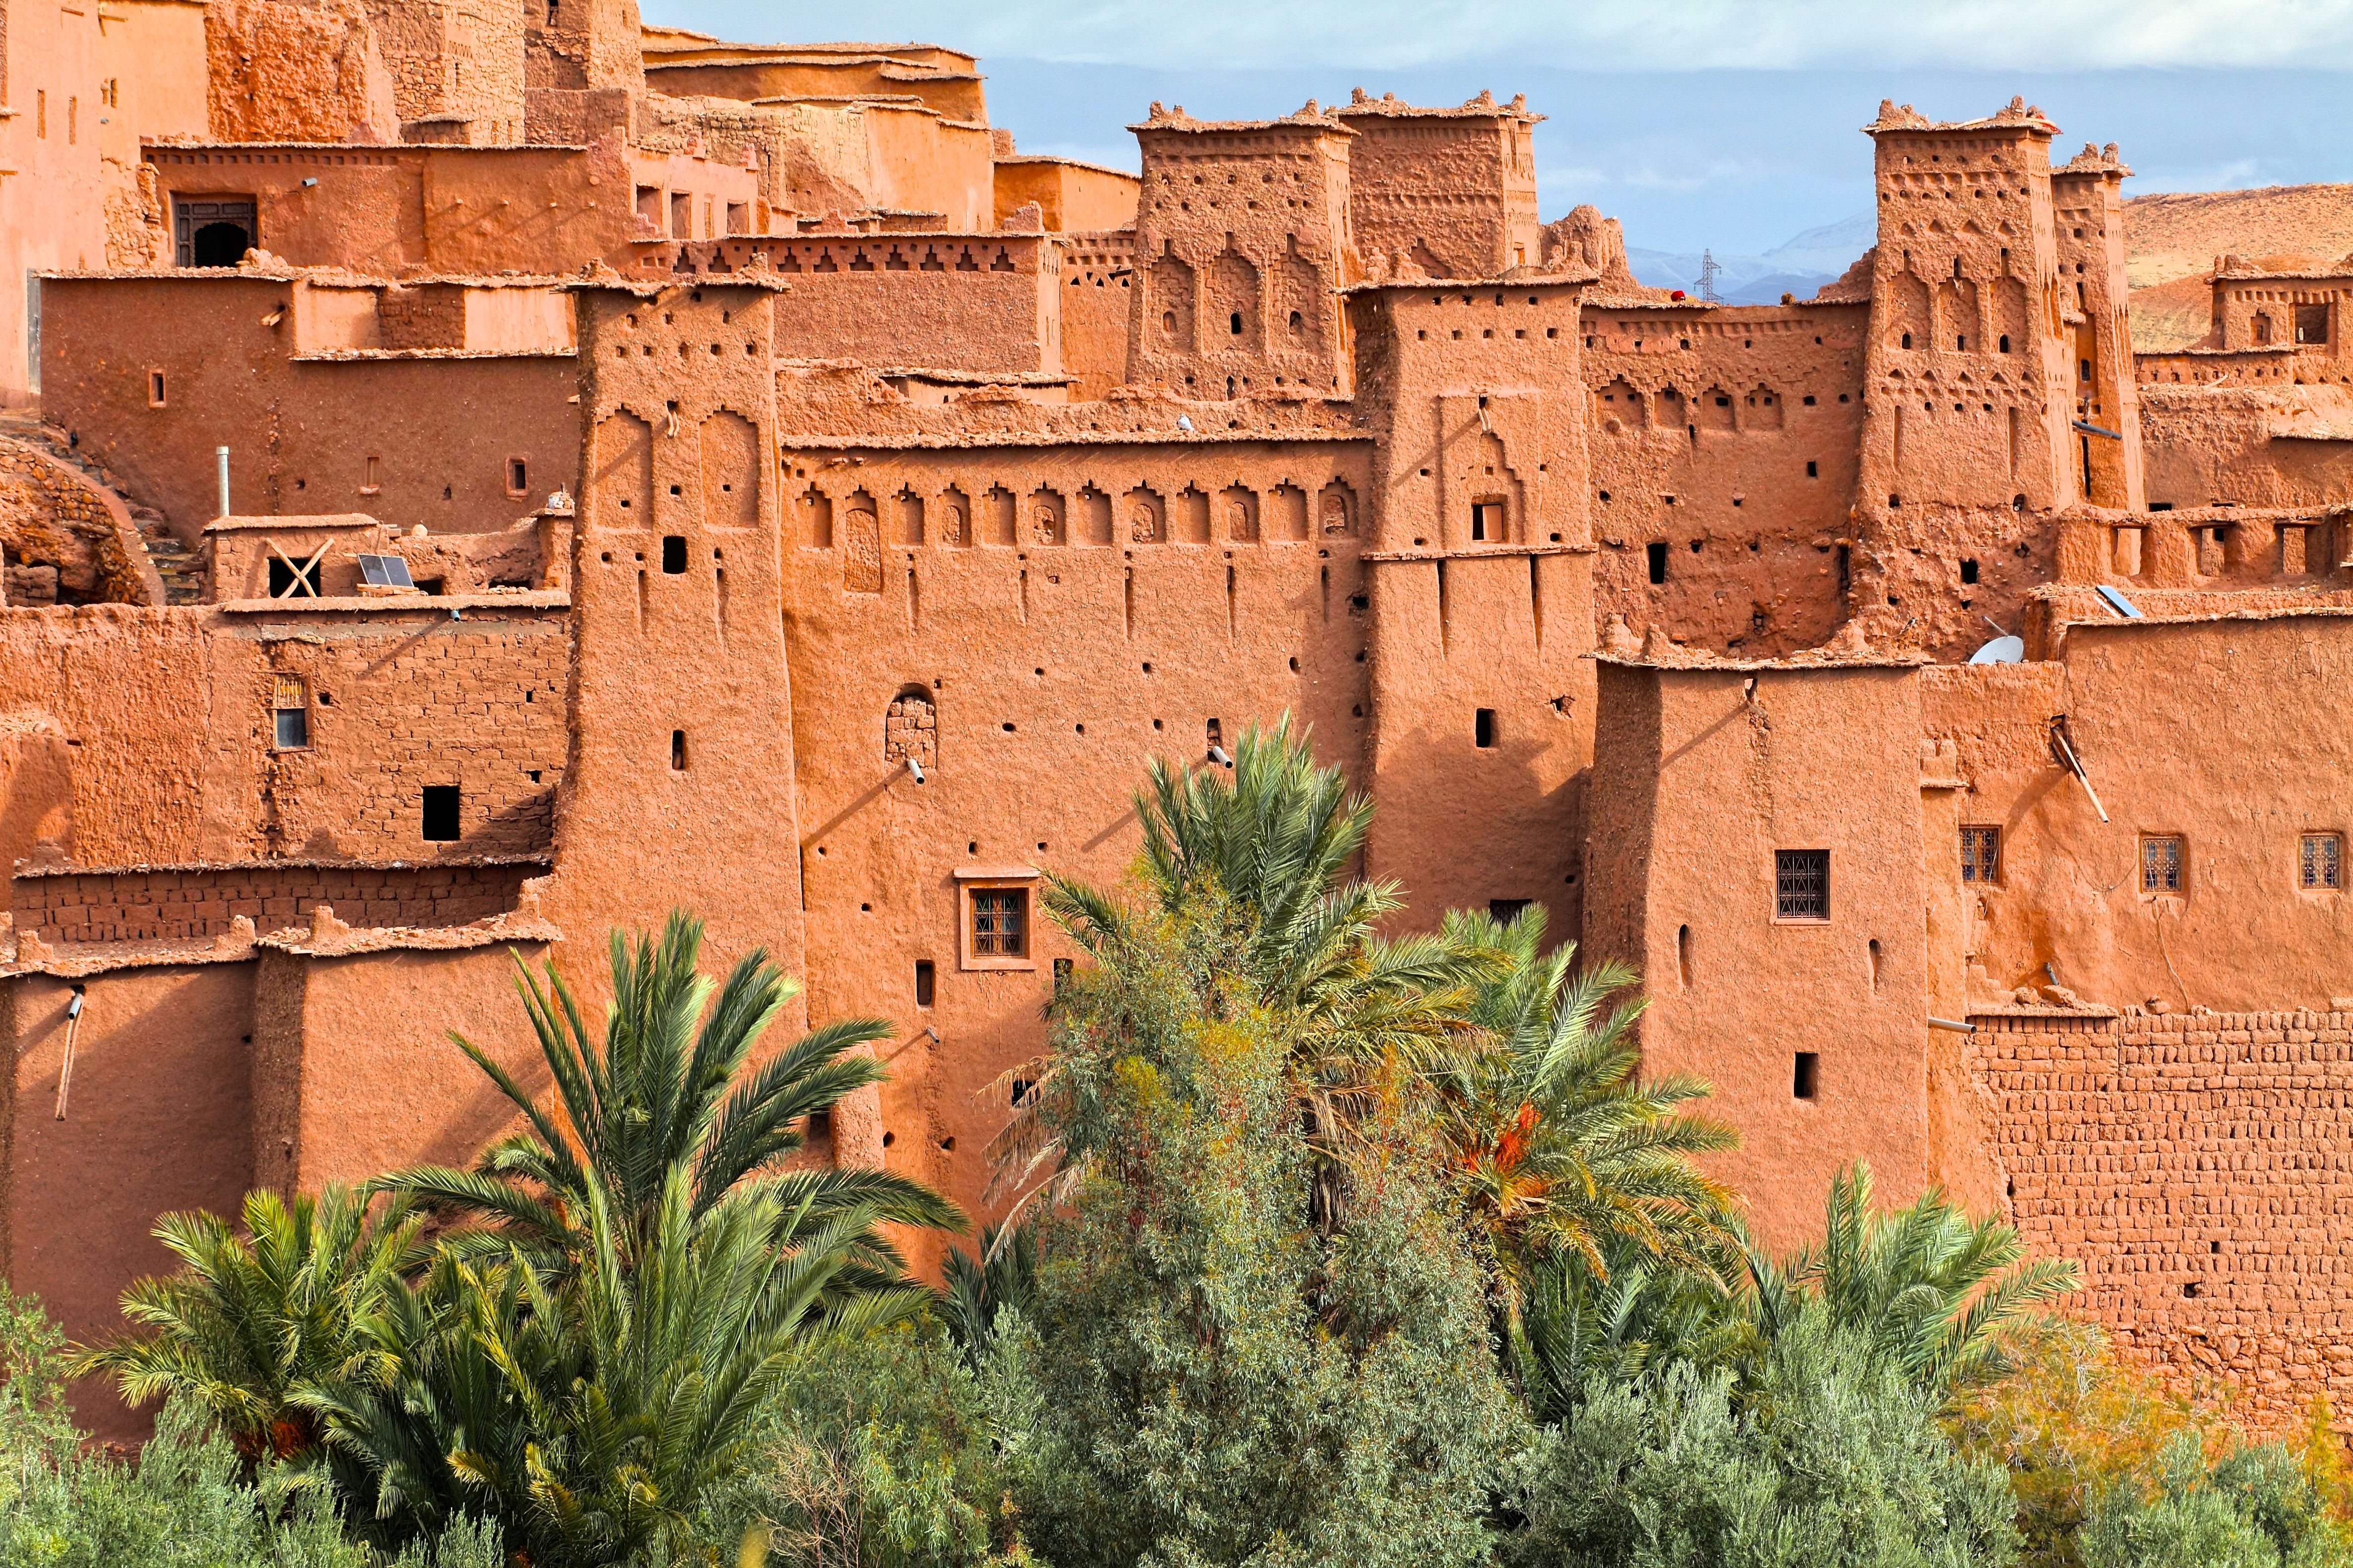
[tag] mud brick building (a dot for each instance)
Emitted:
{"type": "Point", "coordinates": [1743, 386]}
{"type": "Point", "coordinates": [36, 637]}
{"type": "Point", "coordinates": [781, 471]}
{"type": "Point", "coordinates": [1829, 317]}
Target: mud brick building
{"type": "Point", "coordinates": [665, 472]}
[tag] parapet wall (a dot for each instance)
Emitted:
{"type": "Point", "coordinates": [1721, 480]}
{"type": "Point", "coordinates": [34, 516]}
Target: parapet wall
{"type": "Point", "coordinates": [2197, 1166]}
{"type": "Point", "coordinates": [163, 903]}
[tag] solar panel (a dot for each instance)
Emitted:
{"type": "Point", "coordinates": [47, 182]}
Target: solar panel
{"type": "Point", "coordinates": [386, 571]}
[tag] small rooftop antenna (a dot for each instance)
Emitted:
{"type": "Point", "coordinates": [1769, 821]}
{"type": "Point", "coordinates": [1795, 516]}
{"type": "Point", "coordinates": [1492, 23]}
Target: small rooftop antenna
{"type": "Point", "coordinates": [1708, 273]}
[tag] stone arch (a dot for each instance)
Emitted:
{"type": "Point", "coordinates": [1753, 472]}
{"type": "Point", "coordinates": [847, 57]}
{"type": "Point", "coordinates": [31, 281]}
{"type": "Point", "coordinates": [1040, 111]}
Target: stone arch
{"type": "Point", "coordinates": [1286, 513]}
{"type": "Point", "coordinates": [1909, 324]}
{"type": "Point", "coordinates": [1233, 293]}
{"type": "Point", "coordinates": [1044, 518]}
{"type": "Point", "coordinates": [1762, 410]}
{"type": "Point", "coordinates": [731, 471]}
{"type": "Point", "coordinates": [861, 545]}
{"type": "Point", "coordinates": [813, 515]}
{"type": "Point", "coordinates": [1335, 510]}
{"type": "Point", "coordinates": [1620, 402]}
{"type": "Point", "coordinates": [1170, 296]}
{"type": "Point", "coordinates": [907, 517]}
{"type": "Point", "coordinates": [1191, 522]}
{"type": "Point", "coordinates": [1146, 516]}
{"type": "Point", "coordinates": [955, 523]}
{"type": "Point", "coordinates": [621, 477]}
{"type": "Point", "coordinates": [1091, 517]}
{"type": "Point", "coordinates": [1715, 410]}
{"type": "Point", "coordinates": [1958, 327]}
{"type": "Point", "coordinates": [998, 520]}
{"type": "Point", "coordinates": [1237, 513]}
{"type": "Point", "coordinates": [911, 727]}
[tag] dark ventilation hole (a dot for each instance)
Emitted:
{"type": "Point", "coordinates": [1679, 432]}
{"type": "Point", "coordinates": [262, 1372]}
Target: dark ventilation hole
{"type": "Point", "coordinates": [678, 751]}
{"type": "Point", "coordinates": [673, 554]}
{"type": "Point", "coordinates": [518, 475]}
{"type": "Point", "coordinates": [1813, 469]}
{"type": "Point", "coordinates": [820, 1124]}
{"type": "Point", "coordinates": [1908, 340]}
{"type": "Point", "coordinates": [1806, 1077]}
{"type": "Point", "coordinates": [1482, 727]}
{"type": "Point", "coordinates": [1507, 910]}
{"type": "Point", "coordinates": [889, 1139]}
{"type": "Point", "coordinates": [2192, 1289]}
{"type": "Point", "coordinates": [1235, 322]}
{"type": "Point", "coordinates": [1658, 552]}
{"type": "Point", "coordinates": [1969, 570]}
{"type": "Point", "coordinates": [440, 814]}
{"type": "Point", "coordinates": [2017, 503]}
{"type": "Point", "coordinates": [948, 1145]}
{"type": "Point", "coordinates": [1845, 567]}
{"type": "Point", "coordinates": [2213, 1247]}
{"type": "Point", "coordinates": [924, 982]}
{"type": "Point", "coordinates": [2005, 343]}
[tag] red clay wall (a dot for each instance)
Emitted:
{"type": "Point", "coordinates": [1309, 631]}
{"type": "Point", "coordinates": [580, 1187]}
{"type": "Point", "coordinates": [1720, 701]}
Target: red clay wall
{"type": "Point", "coordinates": [398, 700]}
{"type": "Point", "coordinates": [167, 904]}
{"type": "Point", "coordinates": [300, 432]}
{"type": "Point", "coordinates": [158, 1121]}
{"type": "Point", "coordinates": [2193, 1166]}
{"type": "Point", "coordinates": [944, 303]}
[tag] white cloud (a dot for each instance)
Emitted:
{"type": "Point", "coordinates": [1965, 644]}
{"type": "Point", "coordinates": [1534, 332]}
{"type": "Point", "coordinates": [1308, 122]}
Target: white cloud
{"type": "Point", "coordinates": [1611, 35]}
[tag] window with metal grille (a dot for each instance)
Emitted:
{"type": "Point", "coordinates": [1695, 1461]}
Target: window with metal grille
{"type": "Point", "coordinates": [2160, 864]}
{"type": "Point", "coordinates": [1001, 923]}
{"type": "Point", "coordinates": [2320, 861]}
{"type": "Point", "coordinates": [290, 712]}
{"type": "Point", "coordinates": [1802, 884]}
{"type": "Point", "coordinates": [1980, 854]}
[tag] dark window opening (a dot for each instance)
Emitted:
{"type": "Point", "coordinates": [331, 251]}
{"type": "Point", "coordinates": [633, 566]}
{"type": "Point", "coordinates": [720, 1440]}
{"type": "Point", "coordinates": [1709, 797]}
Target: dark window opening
{"type": "Point", "coordinates": [1806, 1075]}
{"type": "Point", "coordinates": [1813, 469]}
{"type": "Point", "coordinates": [1507, 910]}
{"type": "Point", "coordinates": [678, 751]}
{"type": "Point", "coordinates": [1908, 340]}
{"type": "Point", "coordinates": [286, 581]}
{"type": "Point", "coordinates": [518, 476]}
{"type": "Point", "coordinates": [440, 814]}
{"type": "Point", "coordinates": [154, 389]}
{"type": "Point", "coordinates": [924, 981]}
{"type": "Point", "coordinates": [1802, 884]}
{"type": "Point", "coordinates": [1658, 552]}
{"type": "Point", "coordinates": [1234, 322]}
{"type": "Point", "coordinates": [1486, 521]}
{"type": "Point", "coordinates": [292, 729]}
{"type": "Point", "coordinates": [673, 554]}
{"type": "Point", "coordinates": [1969, 570]}
{"type": "Point", "coordinates": [1483, 728]}
{"type": "Point", "coordinates": [2005, 343]}
{"type": "Point", "coordinates": [2312, 323]}
{"type": "Point", "coordinates": [1845, 568]}
{"type": "Point", "coordinates": [219, 245]}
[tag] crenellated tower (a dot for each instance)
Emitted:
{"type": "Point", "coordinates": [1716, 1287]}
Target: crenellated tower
{"type": "Point", "coordinates": [1452, 192]}
{"type": "Point", "coordinates": [2087, 213]}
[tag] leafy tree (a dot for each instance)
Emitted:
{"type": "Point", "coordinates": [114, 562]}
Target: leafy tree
{"type": "Point", "coordinates": [1837, 1462]}
{"type": "Point", "coordinates": [973, 1291]}
{"type": "Point", "coordinates": [2256, 1507]}
{"type": "Point", "coordinates": [1217, 1382]}
{"type": "Point", "coordinates": [250, 1318]}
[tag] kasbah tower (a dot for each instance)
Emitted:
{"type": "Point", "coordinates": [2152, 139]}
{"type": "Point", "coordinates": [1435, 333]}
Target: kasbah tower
{"type": "Point", "coordinates": [476, 482]}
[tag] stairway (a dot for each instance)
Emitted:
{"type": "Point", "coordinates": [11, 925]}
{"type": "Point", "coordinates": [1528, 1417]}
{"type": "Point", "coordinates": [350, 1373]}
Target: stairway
{"type": "Point", "coordinates": [175, 563]}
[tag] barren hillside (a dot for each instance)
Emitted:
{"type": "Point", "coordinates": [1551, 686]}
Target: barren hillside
{"type": "Point", "coordinates": [2171, 242]}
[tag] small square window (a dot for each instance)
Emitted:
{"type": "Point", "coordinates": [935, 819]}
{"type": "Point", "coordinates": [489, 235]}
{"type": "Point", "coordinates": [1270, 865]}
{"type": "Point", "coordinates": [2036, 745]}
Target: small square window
{"type": "Point", "coordinates": [2320, 861]}
{"type": "Point", "coordinates": [1001, 923]}
{"type": "Point", "coordinates": [1806, 1075]}
{"type": "Point", "coordinates": [1980, 854]}
{"type": "Point", "coordinates": [518, 476]}
{"type": "Point", "coordinates": [925, 983]}
{"type": "Point", "coordinates": [440, 814]}
{"type": "Point", "coordinates": [1486, 521]}
{"type": "Point", "coordinates": [1802, 884]}
{"type": "Point", "coordinates": [1483, 728]}
{"type": "Point", "coordinates": [291, 731]}
{"type": "Point", "coordinates": [673, 554]}
{"type": "Point", "coordinates": [2160, 864]}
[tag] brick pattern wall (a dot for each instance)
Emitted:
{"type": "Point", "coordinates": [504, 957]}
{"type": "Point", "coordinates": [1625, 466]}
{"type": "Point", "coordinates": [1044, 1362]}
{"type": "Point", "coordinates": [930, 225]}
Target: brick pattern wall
{"type": "Point", "coordinates": [2199, 1169]}
{"type": "Point", "coordinates": [157, 905]}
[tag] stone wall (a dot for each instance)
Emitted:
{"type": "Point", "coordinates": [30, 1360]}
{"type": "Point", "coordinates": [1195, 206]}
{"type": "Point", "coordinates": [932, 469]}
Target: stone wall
{"type": "Point", "coordinates": [2199, 1169]}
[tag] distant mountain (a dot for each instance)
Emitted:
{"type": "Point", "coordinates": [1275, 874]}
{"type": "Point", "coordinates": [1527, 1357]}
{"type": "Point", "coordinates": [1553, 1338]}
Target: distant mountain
{"type": "Point", "coordinates": [1798, 266]}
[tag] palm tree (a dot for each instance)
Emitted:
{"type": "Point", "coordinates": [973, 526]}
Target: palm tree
{"type": "Point", "coordinates": [1564, 1150]}
{"type": "Point", "coordinates": [1264, 854]}
{"type": "Point", "coordinates": [655, 1105]}
{"type": "Point", "coordinates": [250, 1319]}
{"type": "Point", "coordinates": [972, 1292]}
{"type": "Point", "coordinates": [1927, 1287]}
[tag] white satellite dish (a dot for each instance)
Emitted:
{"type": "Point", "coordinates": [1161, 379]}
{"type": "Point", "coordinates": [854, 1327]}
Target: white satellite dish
{"type": "Point", "coordinates": [2001, 650]}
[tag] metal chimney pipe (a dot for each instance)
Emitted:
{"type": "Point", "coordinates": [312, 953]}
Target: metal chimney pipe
{"type": "Point", "coordinates": [222, 453]}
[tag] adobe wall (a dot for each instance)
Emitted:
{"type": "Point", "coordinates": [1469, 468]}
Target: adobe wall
{"type": "Point", "coordinates": [2233, 442]}
{"type": "Point", "coordinates": [292, 72]}
{"type": "Point", "coordinates": [172, 903]}
{"type": "Point", "coordinates": [1070, 197]}
{"type": "Point", "coordinates": [1098, 276]}
{"type": "Point", "coordinates": [1700, 776]}
{"type": "Point", "coordinates": [457, 74]}
{"type": "Point", "coordinates": [938, 302]}
{"type": "Point", "coordinates": [2196, 728]}
{"type": "Point", "coordinates": [52, 209]}
{"type": "Point", "coordinates": [1452, 191]}
{"type": "Point", "coordinates": [1730, 436]}
{"type": "Point", "coordinates": [2193, 1166]}
{"type": "Point", "coordinates": [155, 59]}
{"type": "Point", "coordinates": [158, 1121]}
{"type": "Point", "coordinates": [398, 700]}
{"type": "Point", "coordinates": [443, 428]}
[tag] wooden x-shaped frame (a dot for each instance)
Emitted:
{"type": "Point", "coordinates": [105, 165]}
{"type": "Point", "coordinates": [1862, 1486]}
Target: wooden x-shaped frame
{"type": "Point", "coordinates": [302, 573]}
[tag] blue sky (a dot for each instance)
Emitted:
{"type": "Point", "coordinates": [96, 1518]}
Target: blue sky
{"type": "Point", "coordinates": [1696, 122]}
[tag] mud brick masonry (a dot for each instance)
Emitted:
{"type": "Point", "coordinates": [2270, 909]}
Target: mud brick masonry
{"type": "Point", "coordinates": [666, 472]}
